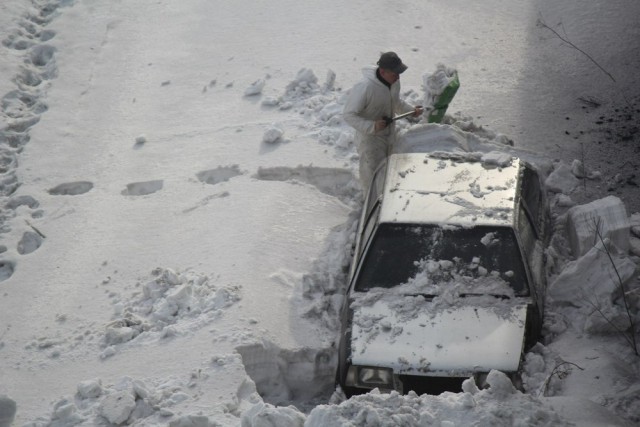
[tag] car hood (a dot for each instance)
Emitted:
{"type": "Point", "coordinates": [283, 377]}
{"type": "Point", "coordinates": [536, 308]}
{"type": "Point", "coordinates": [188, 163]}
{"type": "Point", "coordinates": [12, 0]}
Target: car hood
{"type": "Point", "coordinates": [414, 335]}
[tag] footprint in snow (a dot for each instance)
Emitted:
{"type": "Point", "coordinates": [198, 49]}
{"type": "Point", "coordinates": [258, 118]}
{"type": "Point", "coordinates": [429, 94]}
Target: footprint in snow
{"type": "Point", "coordinates": [340, 183]}
{"type": "Point", "coordinates": [219, 174]}
{"type": "Point", "coordinates": [71, 188]}
{"type": "Point", "coordinates": [6, 270]}
{"type": "Point", "coordinates": [30, 242]}
{"type": "Point", "coordinates": [143, 188]}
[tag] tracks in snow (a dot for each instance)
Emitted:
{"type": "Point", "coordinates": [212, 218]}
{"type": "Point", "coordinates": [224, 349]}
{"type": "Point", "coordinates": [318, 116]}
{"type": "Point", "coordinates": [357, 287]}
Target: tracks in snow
{"type": "Point", "coordinates": [21, 109]}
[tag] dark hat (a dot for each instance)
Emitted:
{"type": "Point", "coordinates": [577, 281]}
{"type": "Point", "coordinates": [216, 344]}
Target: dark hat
{"type": "Point", "coordinates": [390, 61]}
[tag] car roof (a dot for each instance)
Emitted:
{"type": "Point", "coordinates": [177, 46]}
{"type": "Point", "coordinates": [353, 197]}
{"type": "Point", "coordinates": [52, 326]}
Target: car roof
{"type": "Point", "coordinates": [422, 189]}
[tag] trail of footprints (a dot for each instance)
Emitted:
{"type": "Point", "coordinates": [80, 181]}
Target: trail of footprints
{"type": "Point", "coordinates": [21, 109]}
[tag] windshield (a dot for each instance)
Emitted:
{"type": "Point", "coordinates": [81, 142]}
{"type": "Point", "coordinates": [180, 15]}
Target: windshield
{"type": "Point", "coordinates": [399, 252]}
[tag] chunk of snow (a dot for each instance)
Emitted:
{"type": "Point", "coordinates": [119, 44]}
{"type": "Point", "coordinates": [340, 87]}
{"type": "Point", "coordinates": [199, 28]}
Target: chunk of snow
{"type": "Point", "coordinates": [89, 389]}
{"type": "Point", "coordinates": [561, 180]}
{"type": "Point", "coordinates": [265, 415]}
{"type": "Point", "coordinates": [609, 214]}
{"type": "Point", "coordinates": [499, 384]}
{"type": "Point", "coordinates": [497, 158]}
{"type": "Point", "coordinates": [273, 134]}
{"type": "Point", "coordinates": [255, 88]}
{"type": "Point", "coordinates": [116, 407]}
{"type": "Point", "coordinates": [564, 201]}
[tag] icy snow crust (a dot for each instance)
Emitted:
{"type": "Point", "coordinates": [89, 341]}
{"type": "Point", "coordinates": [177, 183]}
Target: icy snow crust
{"type": "Point", "coordinates": [112, 164]}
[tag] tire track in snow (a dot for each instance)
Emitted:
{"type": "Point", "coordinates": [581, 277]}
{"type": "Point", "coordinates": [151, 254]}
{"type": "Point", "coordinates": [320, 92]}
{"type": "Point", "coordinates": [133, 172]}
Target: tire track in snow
{"type": "Point", "coordinates": [21, 109]}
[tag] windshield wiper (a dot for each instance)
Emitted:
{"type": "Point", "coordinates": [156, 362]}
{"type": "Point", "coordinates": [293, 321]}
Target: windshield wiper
{"type": "Point", "coordinates": [471, 294]}
{"type": "Point", "coordinates": [426, 296]}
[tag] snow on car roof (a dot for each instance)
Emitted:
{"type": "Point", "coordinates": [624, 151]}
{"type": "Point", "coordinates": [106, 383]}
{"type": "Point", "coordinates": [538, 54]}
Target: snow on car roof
{"type": "Point", "coordinates": [423, 189]}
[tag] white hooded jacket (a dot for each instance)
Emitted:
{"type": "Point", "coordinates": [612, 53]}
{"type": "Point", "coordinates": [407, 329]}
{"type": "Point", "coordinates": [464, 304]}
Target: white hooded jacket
{"type": "Point", "coordinates": [368, 101]}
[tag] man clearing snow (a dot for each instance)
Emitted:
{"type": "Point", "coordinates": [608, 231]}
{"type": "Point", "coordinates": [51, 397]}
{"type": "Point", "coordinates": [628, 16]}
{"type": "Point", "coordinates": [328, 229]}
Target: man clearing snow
{"type": "Point", "coordinates": [370, 105]}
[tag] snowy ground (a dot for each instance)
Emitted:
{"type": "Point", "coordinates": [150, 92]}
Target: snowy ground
{"type": "Point", "coordinates": [179, 197]}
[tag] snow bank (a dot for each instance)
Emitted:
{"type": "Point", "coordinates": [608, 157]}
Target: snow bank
{"type": "Point", "coordinates": [170, 401]}
{"type": "Point", "coordinates": [593, 281]}
{"type": "Point", "coordinates": [499, 405]}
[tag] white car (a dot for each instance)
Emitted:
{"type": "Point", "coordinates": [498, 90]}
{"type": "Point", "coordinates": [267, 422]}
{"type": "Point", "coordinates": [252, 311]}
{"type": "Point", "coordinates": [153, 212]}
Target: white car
{"type": "Point", "coordinates": [447, 279]}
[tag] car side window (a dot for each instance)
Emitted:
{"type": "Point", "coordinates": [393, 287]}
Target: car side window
{"type": "Point", "coordinates": [369, 227]}
{"type": "Point", "coordinates": [527, 234]}
{"type": "Point", "coordinates": [377, 186]}
{"type": "Point", "coordinates": [532, 196]}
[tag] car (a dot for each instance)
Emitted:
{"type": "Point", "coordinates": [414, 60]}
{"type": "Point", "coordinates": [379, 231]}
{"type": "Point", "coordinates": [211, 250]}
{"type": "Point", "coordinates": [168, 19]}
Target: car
{"type": "Point", "coordinates": [447, 279]}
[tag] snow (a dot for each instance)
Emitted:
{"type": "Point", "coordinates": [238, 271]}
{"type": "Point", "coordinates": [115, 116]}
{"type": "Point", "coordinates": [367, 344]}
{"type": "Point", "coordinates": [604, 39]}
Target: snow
{"type": "Point", "coordinates": [180, 196]}
{"type": "Point", "coordinates": [606, 218]}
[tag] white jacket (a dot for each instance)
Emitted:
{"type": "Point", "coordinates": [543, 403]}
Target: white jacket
{"type": "Point", "coordinates": [368, 101]}
{"type": "Point", "coordinates": [371, 100]}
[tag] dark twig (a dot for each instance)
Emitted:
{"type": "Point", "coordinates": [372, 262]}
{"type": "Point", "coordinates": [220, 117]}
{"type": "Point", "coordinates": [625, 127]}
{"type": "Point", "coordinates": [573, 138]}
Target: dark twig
{"type": "Point", "coordinates": [590, 101]}
{"type": "Point", "coordinates": [567, 41]}
{"type": "Point", "coordinates": [560, 374]}
{"type": "Point", "coordinates": [35, 229]}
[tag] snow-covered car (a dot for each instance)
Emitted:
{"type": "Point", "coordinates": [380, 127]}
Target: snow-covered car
{"type": "Point", "coordinates": [447, 279]}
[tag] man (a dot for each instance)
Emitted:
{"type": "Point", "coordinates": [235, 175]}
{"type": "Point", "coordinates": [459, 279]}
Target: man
{"type": "Point", "coordinates": [371, 101]}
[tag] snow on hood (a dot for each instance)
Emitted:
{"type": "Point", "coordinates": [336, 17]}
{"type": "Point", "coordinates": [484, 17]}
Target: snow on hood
{"type": "Point", "coordinates": [444, 327]}
{"type": "Point", "coordinates": [412, 335]}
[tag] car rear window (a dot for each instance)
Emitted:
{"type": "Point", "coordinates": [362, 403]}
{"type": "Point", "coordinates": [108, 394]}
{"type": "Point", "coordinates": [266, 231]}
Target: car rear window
{"type": "Point", "coordinates": [397, 251]}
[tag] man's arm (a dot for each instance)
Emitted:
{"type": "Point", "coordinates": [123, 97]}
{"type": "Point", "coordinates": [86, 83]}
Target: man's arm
{"type": "Point", "coordinates": [353, 108]}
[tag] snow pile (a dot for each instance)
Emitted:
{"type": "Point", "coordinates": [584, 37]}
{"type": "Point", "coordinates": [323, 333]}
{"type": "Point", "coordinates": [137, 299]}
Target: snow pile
{"type": "Point", "coordinates": [303, 86]}
{"type": "Point", "coordinates": [320, 105]}
{"type": "Point", "coordinates": [538, 376]}
{"type": "Point", "coordinates": [171, 304]}
{"type": "Point", "coordinates": [167, 401]}
{"type": "Point", "coordinates": [593, 282]}
{"type": "Point", "coordinates": [266, 415]}
{"type": "Point", "coordinates": [441, 285]}
{"type": "Point", "coordinates": [499, 405]}
{"type": "Point", "coordinates": [434, 84]}
{"type": "Point", "coordinates": [324, 287]}
{"type": "Point", "coordinates": [462, 139]}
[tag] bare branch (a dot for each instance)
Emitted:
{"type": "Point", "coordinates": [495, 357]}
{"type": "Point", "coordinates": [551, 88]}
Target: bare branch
{"type": "Point", "coordinates": [35, 229]}
{"type": "Point", "coordinates": [631, 336]}
{"type": "Point", "coordinates": [566, 40]}
{"type": "Point", "coordinates": [560, 374]}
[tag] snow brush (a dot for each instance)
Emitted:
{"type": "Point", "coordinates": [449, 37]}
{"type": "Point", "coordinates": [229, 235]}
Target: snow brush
{"type": "Point", "coordinates": [390, 120]}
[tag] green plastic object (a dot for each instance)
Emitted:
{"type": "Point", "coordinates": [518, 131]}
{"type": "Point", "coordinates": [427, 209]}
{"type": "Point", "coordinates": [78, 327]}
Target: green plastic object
{"type": "Point", "coordinates": [443, 101]}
